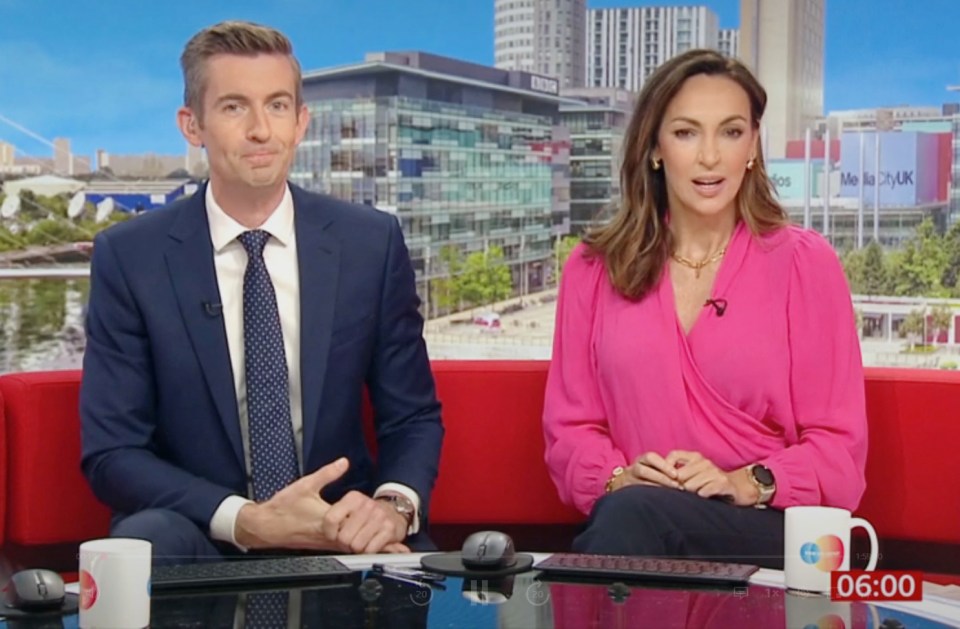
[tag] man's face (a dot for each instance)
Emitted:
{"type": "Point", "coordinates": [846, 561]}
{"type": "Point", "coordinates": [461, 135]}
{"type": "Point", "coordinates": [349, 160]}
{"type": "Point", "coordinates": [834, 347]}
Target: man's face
{"type": "Point", "coordinates": [250, 123]}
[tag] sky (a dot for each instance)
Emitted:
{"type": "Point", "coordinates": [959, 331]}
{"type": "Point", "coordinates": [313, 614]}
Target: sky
{"type": "Point", "coordinates": [105, 73]}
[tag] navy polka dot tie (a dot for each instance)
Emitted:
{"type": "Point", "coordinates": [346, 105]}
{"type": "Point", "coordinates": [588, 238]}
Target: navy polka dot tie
{"type": "Point", "coordinates": [273, 453]}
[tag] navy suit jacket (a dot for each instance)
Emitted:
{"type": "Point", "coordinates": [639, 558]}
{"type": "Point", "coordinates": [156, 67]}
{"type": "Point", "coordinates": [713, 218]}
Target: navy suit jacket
{"type": "Point", "coordinates": [160, 426]}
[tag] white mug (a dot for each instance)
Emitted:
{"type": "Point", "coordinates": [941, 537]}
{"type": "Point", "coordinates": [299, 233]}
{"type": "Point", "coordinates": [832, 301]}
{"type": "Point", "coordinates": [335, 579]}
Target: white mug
{"type": "Point", "coordinates": [804, 610]}
{"type": "Point", "coordinates": [115, 583]}
{"type": "Point", "coordinates": [816, 543]}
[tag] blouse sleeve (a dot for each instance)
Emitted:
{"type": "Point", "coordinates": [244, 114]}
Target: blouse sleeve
{"type": "Point", "coordinates": [827, 464]}
{"type": "Point", "coordinates": [579, 452]}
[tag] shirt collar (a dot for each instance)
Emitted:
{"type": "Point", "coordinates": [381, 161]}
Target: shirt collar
{"type": "Point", "coordinates": [224, 229]}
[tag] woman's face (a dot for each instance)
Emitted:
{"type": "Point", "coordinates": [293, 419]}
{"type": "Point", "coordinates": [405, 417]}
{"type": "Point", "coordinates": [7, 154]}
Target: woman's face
{"type": "Point", "coordinates": [704, 143]}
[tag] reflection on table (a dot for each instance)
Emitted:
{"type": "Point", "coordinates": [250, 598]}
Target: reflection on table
{"type": "Point", "coordinates": [367, 599]}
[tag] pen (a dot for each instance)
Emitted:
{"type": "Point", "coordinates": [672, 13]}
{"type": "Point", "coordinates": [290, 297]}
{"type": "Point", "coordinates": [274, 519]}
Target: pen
{"type": "Point", "coordinates": [413, 582]}
{"type": "Point", "coordinates": [407, 573]}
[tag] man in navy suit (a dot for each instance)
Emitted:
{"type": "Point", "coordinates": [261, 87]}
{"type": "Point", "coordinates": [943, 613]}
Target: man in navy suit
{"type": "Point", "coordinates": [213, 369]}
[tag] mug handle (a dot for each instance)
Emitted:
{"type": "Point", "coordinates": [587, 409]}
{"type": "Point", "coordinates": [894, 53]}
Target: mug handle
{"type": "Point", "coordinates": [872, 534]}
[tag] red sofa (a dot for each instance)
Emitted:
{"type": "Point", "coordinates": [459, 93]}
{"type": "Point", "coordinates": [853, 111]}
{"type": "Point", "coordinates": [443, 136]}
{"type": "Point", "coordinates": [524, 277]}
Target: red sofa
{"type": "Point", "coordinates": [491, 469]}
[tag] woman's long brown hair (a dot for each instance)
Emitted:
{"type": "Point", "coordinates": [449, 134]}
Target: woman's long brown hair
{"type": "Point", "coordinates": [636, 243]}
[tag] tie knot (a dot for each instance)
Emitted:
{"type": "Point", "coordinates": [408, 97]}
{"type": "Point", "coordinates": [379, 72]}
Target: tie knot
{"type": "Point", "coordinates": [254, 241]}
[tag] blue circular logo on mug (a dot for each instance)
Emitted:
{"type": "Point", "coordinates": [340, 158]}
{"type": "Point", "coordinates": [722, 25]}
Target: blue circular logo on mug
{"type": "Point", "coordinates": [810, 553]}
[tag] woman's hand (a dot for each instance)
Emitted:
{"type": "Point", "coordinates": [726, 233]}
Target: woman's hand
{"type": "Point", "coordinates": [648, 469]}
{"type": "Point", "coordinates": [699, 475]}
{"type": "Point", "coordinates": [692, 472]}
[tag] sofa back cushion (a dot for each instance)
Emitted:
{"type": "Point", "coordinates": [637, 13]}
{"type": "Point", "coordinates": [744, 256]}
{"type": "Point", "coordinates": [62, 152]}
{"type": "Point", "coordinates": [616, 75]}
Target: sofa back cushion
{"type": "Point", "coordinates": [492, 468]}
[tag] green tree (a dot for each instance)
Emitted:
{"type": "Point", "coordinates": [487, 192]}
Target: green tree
{"type": "Point", "coordinates": [950, 280]}
{"type": "Point", "coordinates": [921, 264]}
{"type": "Point", "coordinates": [34, 208]}
{"type": "Point", "coordinates": [56, 206]}
{"type": "Point", "coordinates": [940, 317]}
{"type": "Point", "coordinates": [854, 264]}
{"type": "Point", "coordinates": [42, 308]}
{"type": "Point", "coordinates": [913, 326]}
{"type": "Point", "coordinates": [485, 278]}
{"type": "Point", "coordinates": [53, 231]}
{"type": "Point", "coordinates": [445, 290]}
{"type": "Point", "coordinates": [442, 295]}
{"type": "Point", "coordinates": [562, 252]}
{"type": "Point", "coordinates": [451, 259]}
{"type": "Point", "coordinates": [30, 207]}
{"type": "Point", "coordinates": [876, 277]}
{"type": "Point", "coordinates": [10, 241]}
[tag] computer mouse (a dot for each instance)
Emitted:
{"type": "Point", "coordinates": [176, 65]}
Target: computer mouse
{"type": "Point", "coordinates": [35, 589]}
{"type": "Point", "coordinates": [488, 550]}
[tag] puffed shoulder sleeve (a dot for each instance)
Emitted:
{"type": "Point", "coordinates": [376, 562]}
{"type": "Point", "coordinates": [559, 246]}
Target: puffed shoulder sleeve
{"type": "Point", "coordinates": [827, 464]}
{"type": "Point", "coordinates": [579, 452]}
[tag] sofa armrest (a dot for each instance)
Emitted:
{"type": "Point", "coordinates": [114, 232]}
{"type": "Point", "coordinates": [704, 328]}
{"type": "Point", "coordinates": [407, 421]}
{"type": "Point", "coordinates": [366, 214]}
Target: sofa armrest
{"type": "Point", "coordinates": [48, 499]}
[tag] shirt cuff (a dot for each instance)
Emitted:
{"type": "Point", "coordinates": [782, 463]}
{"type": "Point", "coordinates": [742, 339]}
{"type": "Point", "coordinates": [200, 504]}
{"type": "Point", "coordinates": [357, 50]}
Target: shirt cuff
{"type": "Point", "coordinates": [410, 494]}
{"type": "Point", "coordinates": [223, 524]}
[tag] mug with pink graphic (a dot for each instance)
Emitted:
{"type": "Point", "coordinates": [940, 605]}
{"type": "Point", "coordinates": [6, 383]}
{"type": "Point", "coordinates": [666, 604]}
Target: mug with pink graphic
{"type": "Point", "coordinates": [115, 583]}
{"type": "Point", "coordinates": [816, 543]}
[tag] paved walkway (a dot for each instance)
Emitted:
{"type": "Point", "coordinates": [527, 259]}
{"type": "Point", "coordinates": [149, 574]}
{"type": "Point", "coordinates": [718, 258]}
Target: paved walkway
{"type": "Point", "coordinates": [527, 334]}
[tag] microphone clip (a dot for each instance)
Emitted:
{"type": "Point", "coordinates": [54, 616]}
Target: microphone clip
{"type": "Point", "coordinates": [719, 305]}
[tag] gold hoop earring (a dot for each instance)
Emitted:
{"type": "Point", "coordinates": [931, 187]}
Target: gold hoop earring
{"type": "Point", "coordinates": [750, 164]}
{"type": "Point", "coordinates": [655, 163]}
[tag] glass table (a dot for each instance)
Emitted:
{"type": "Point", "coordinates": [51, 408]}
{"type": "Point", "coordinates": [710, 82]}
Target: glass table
{"type": "Point", "coordinates": [368, 599]}
{"type": "Point", "coordinates": [526, 600]}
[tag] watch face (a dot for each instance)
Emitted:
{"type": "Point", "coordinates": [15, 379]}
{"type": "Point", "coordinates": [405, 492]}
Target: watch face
{"type": "Point", "coordinates": [403, 505]}
{"type": "Point", "coordinates": [763, 475]}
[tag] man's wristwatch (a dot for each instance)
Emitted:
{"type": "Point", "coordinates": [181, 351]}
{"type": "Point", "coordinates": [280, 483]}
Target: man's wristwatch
{"type": "Point", "coordinates": [762, 477]}
{"type": "Point", "coordinates": [402, 504]}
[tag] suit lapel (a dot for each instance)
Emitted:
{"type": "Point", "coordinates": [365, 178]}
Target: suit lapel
{"type": "Point", "coordinates": [319, 264]}
{"type": "Point", "coordinates": [194, 279]}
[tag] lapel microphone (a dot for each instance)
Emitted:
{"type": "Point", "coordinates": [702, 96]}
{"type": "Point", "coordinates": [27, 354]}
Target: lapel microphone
{"type": "Point", "coordinates": [212, 309]}
{"type": "Point", "coordinates": [720, 305]}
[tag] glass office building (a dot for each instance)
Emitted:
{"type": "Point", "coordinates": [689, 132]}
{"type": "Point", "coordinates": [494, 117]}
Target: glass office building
{"type": "Point", "coordinates": [597, 128]}
{"type": "Point", "coordinates": [463, 154]}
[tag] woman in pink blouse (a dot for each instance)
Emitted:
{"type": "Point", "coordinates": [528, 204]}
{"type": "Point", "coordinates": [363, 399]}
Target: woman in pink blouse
{"type": "Point", "coordinates": [705, 359]}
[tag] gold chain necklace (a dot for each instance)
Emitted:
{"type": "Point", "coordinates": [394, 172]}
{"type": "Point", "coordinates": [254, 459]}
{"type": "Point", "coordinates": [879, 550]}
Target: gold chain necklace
{"type": "Point", "coordinates": [698, 265]}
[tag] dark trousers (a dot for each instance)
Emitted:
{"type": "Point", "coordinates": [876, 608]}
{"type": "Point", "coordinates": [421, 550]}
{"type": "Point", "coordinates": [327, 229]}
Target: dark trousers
{"type": "Point", "coordinates": [177, 539]}
{"type": "Point", "coordinates": [662, 522]}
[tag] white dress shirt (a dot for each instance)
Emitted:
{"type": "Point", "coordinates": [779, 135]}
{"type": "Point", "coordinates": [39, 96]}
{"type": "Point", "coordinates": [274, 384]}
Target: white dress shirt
{"type": "Point", "coordinates": [280, 257]}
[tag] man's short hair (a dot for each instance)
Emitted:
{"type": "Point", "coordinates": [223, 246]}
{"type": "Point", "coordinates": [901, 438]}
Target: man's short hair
{"type": "Point", "coordinates": [230, 38]}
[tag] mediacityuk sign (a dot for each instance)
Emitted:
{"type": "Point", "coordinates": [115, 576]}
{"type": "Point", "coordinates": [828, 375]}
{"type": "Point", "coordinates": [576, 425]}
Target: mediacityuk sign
{"type": "Point", "coordinates": [908, 167]}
